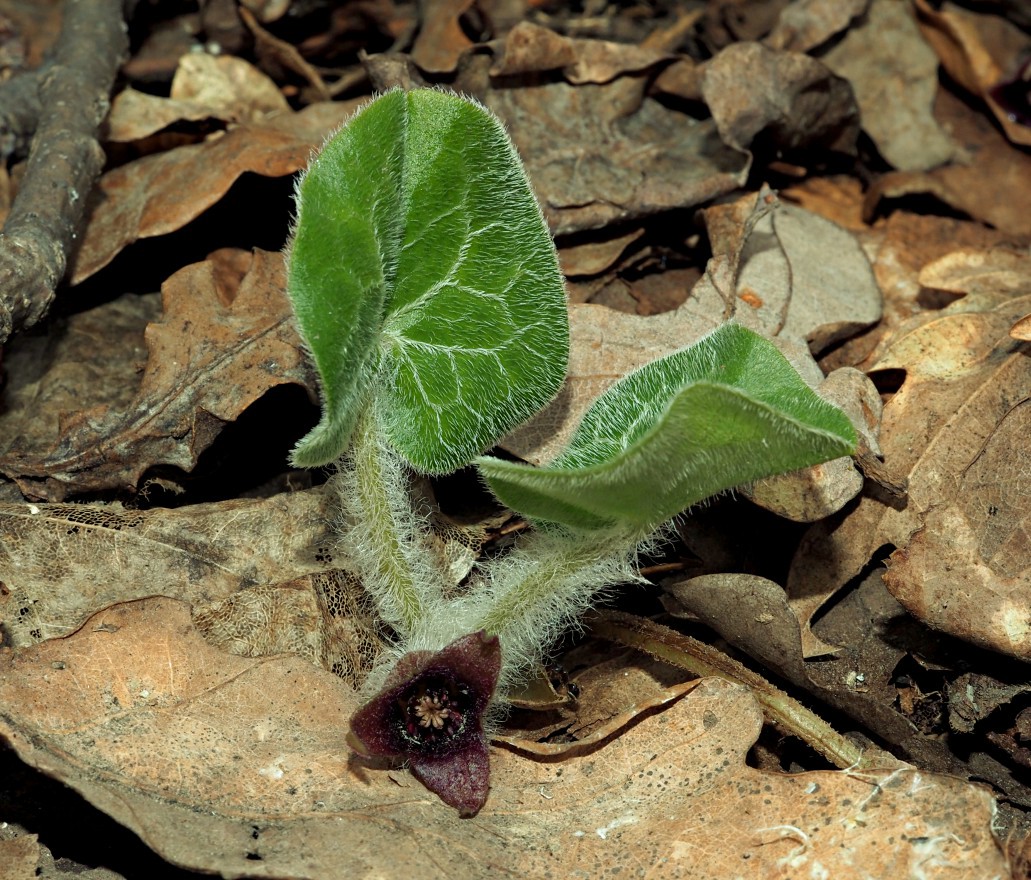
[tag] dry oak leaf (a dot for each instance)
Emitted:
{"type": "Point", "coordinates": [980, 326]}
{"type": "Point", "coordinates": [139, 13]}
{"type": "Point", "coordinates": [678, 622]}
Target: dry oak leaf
{"type": "Point", "coordinates": [753, 614]}
{"type": "Point", "coordinates": [204, 87]}
{"type": "Point", "coordinates": [956, 430]}
{"type": "Point", "coordinates": [894, 74]}
{"type": "Point", "coordinates": [216, 350]}
{"type": "Point", "coordinates": [441, 41]}
{"type": "Point", "coordinates": [52, 375]}
{"type": "Point", "coordinates": [163, 192]}
{"type": "Point", "coordinates": [237, 766]}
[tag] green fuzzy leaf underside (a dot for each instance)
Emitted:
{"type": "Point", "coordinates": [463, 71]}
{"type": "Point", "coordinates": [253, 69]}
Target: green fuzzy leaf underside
{"type": "Point", "coordinates": [726, 411]}
{"type": "Point", "coordinates": [422, 272]}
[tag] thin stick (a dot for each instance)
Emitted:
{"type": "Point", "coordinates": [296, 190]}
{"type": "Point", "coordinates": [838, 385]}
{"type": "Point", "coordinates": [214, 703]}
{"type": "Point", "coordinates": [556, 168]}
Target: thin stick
{"type": "Point", "coordinates": [671, 647]}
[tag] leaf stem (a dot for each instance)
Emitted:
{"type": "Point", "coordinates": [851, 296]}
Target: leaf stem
{"type": "Point", "coordinates": [543, 585]}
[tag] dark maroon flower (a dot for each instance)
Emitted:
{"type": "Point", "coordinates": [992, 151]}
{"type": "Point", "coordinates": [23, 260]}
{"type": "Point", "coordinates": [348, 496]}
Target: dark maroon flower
{"type": "Point", "coordinates": [430, 712]}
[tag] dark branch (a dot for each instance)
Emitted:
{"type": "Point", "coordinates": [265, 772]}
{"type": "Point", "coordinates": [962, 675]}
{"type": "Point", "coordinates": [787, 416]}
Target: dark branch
{"type": "Point", "coordinates": [64, 160]}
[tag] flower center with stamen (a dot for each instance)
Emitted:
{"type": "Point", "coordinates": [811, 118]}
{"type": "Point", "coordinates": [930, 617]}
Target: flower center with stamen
{"type": "Point", "coordinates": [433, 712]}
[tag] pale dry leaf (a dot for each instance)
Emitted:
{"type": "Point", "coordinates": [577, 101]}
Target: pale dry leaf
{"type": "Point", "coordinates": [821, 490]}
{"type": "Point", "coordinates": [530, 48]}
{"type": "Point", "coordinates": [52, 376]}
{"type": "Point", "coordinates": [895, 75]}
{"type": "Point", "coordinates": [857, 682]}
{"type": "Point", "coordinates": [594, 257]}
{"type": "Point", "coordinates": [955, 431]}
{"type": "Point", "coordinates": [611, 694]}
{"type": "Point", "coordinates": [222, 342]}
{"type": "Point", "coordinates": [204, 87]}
{"type": "Point", "coordinates": [987, 189]}
{"type": "Point", "coordinates": [899, 246]}
{"type": "Point", "coordinates": [163, 192]}
{"type": "Point", "coordinates": [237, 766]}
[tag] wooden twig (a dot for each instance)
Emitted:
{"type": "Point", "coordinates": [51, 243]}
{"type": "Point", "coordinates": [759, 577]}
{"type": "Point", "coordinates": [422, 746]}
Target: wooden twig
{"type": "Point", "coordinates": [64, 160]}
{"type": "Point", "coordinates": [787, 713]}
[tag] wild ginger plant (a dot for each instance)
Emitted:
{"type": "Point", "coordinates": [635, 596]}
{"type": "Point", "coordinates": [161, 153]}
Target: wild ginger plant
{"type": "Point", "coordinates": [427, 289]}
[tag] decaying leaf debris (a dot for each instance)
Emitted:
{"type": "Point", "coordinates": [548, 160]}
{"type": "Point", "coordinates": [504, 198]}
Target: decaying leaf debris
{"type": "Point", "coordinates": [181, 642]}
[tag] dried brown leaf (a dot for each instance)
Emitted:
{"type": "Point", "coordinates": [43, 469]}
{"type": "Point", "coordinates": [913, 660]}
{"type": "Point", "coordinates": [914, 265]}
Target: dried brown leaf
{"type": "Point", "coordinates": [954, 432]}
{"type": "Point", "coordinates": [786, 101]}
{"type": "Point", "coordinates": [217, 349]}
{"type": "Point", "coordinates": [530, 48]}
{"type": "Point", "coordinates": [204, 86]}
{"type": "Point", "coordinates": [977, 51]}
{"type": "Point", "coordinates": [441, 40]}
{"type": "Point", "coordinates": [231, 765]}
{"type": "Point", "coordinates": [806, 24]}
{"type": "Point", "coordinates": [895, 75]}
{"type": "Point", "coordinates": [161, 193]}
{"type": "Point", "coordinates": [61, 563]}
{"type": "Point", "coordinates": [986, 189]}
{"type": "Point", "coordinates": [754, 615]}
{"type": "Point", "coordinates": [597, 154]}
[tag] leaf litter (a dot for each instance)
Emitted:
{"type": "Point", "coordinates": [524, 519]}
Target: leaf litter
{"type": "Point", "coordinates": [190, 667]}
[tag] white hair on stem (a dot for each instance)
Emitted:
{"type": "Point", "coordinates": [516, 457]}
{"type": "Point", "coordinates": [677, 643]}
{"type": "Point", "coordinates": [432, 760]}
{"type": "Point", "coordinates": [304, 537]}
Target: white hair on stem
{"type": "Point", "coordinates": [384, 537]}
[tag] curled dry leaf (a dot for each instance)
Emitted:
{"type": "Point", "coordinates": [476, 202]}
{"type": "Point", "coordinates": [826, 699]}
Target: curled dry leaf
{"type": "Point", "coordinates": [204, 87]}
{"type": "Point", "coordinates": [221, 763]}
{"type": "Point", "coordinates": [955, 431]}
{"type": "Point", "coordinates": [530, 48]}
{"type": "Point", "coordinates": [779, 270]}
{"type": "Point", "coordinates": [763, 624]}
{"type": "Point", "coordinates": [978, 51]}
{"type": "Point", "coordinates": [163, 192]}
{"type": "Point", "coordinates": [895, 75]}
{"type": "Point", "coordinates": [612, 693]}
{"type": "Point", "coordinates": [222, 342]}
{"type": "Point", "coordinates": [784, 102]}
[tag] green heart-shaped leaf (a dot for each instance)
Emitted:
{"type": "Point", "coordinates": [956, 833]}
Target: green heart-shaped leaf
{"type": "Point", "coordinates": [728, 410]}
{"type": "Point", "coordinates": [422, 272]}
